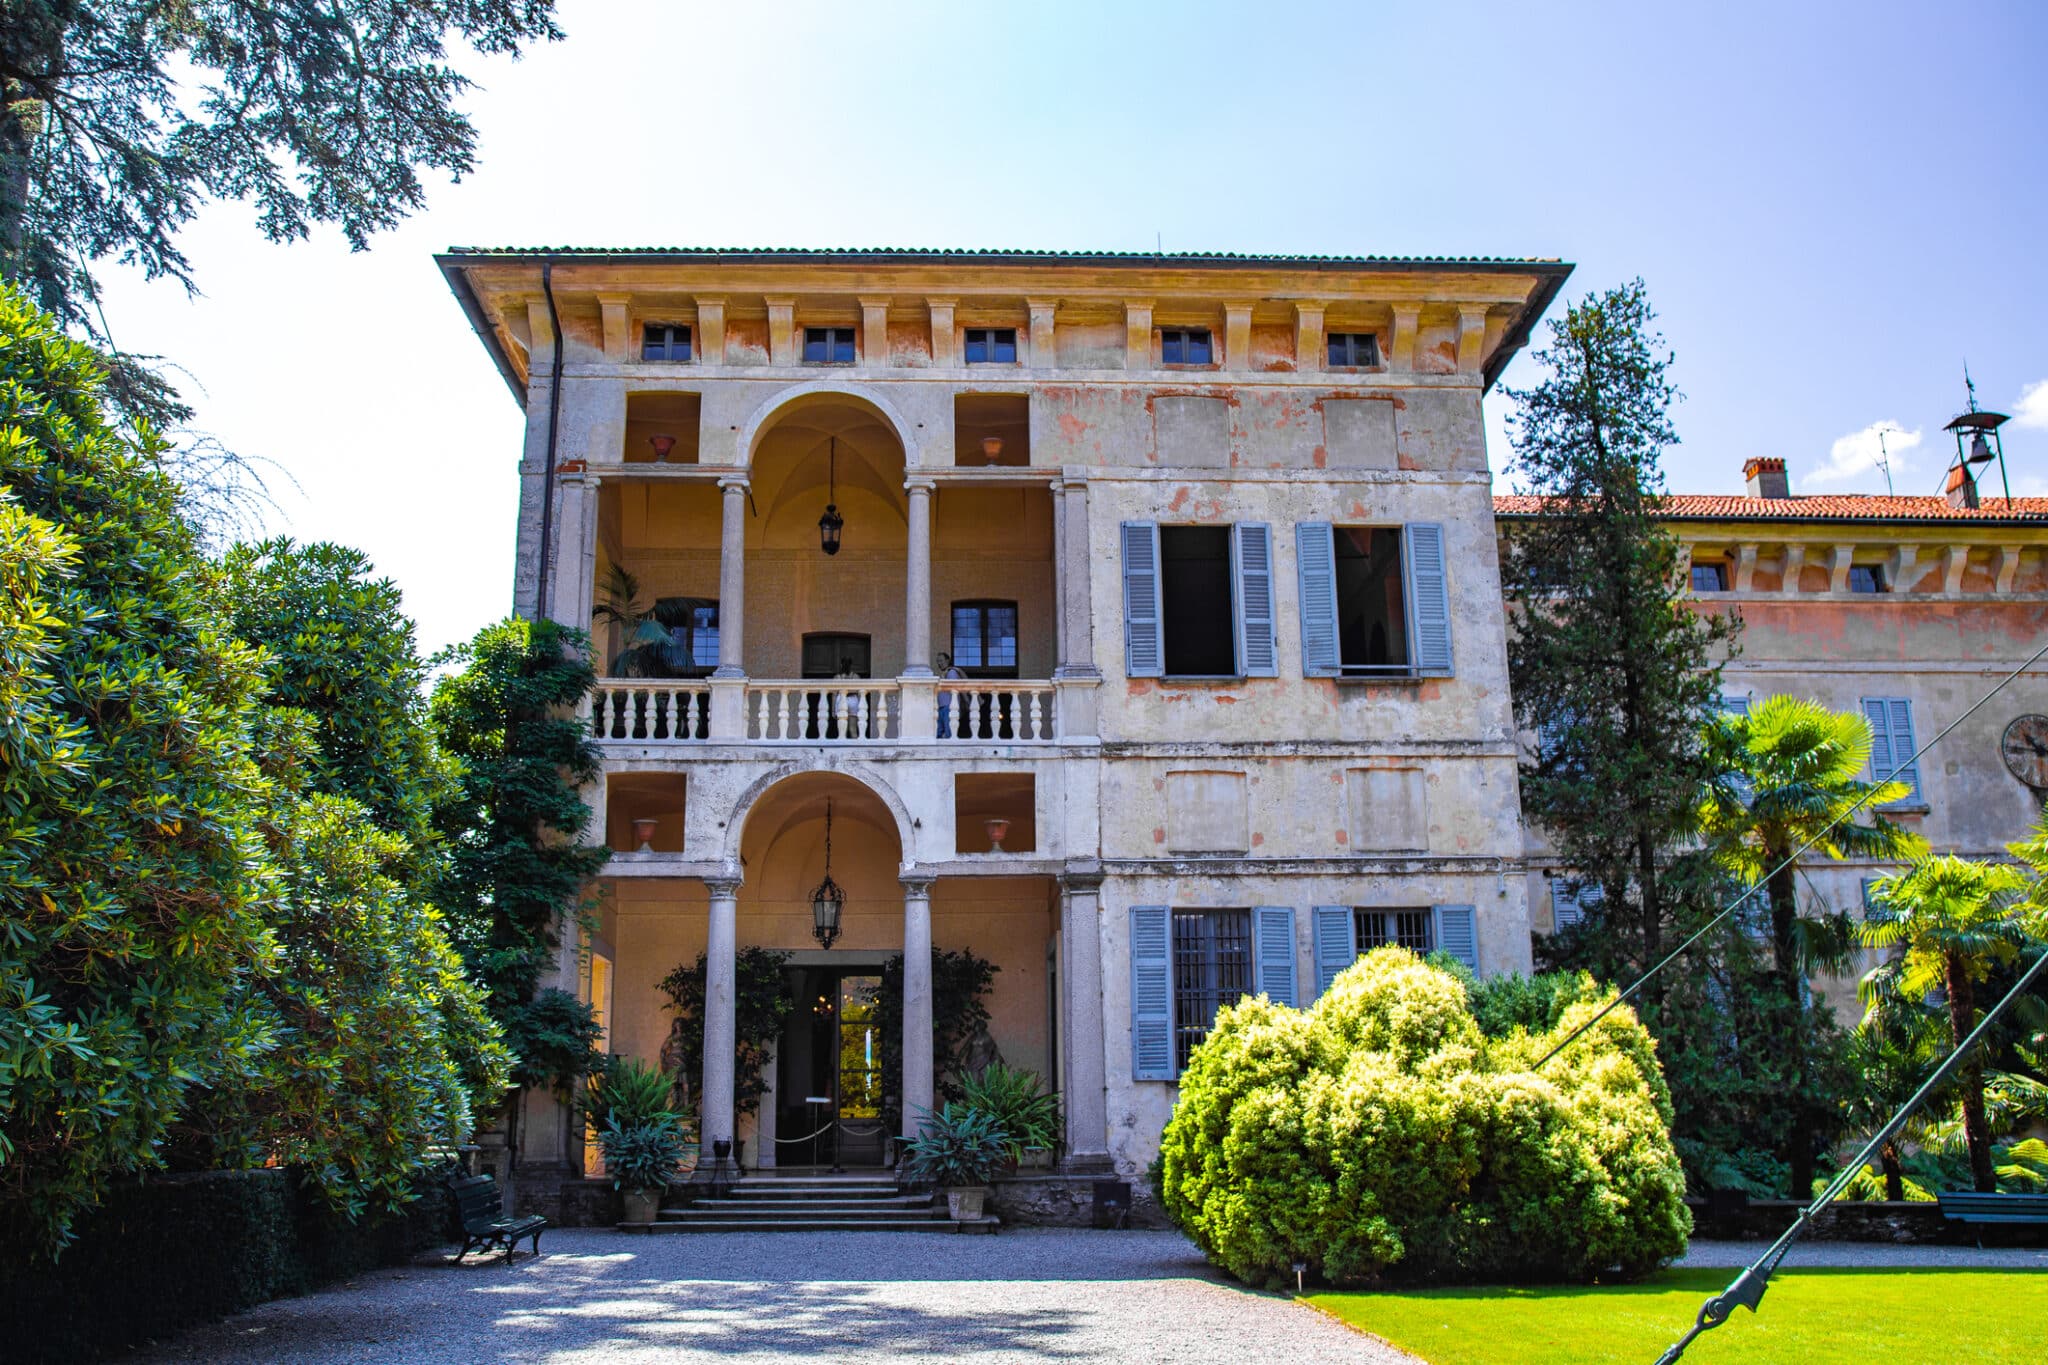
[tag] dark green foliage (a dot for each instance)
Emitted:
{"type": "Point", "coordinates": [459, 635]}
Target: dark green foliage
{"type": "Point", "coordinates": [761, 1006]}
{"type": "Point", "coordinates": [1607, 664]}
{"type": "Point", "coordinates": [960, 981]}
{"type": "Point", "coordinates": [958, 1145]}
{"type": "Point", "coordinates": [555, 1040]}
{"type": "Point", "coordinates": [132, 865]}
{"type": "Point", "coordinates": [1501, 1004]}
{"type": "Point", "coordinates": [513, 828]}
{"type": "Point", "coordinates": [1022, 1107]}
{"type": "Point", "coordinates": [181, 1250]}
{"type": "Point", "coordinates": [122, 118]}
{"type": "Point", "coordinates": [628, 1092]}
{"type": "Point", "coordinates": [644, 1155]}
{"type": "Point", "coordinates": [1380, 1134]}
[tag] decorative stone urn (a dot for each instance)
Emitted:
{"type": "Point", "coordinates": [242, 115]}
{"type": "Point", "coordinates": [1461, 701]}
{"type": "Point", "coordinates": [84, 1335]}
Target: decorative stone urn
{"type": "Point", "coordinates": [964, 1202]}
{"type": "Point", "coordinates": [992, 448]}
{"type": "Point", "coordinates": [998, 830]}
{"type": "Point", "coordinates": [643, 836]}
{"type": "Point", "coordinates": [662, 446]}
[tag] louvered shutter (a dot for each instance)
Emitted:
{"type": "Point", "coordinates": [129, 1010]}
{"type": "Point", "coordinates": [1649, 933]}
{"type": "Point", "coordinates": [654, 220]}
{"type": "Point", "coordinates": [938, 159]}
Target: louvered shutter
{"type": "Point", "coordinates": [1429, 597]}
{"type": "Point", "coordinates": [1251, 562]}
{"type": "Point", "coordinates": [1568, 905]}
{"type": "Point", "coordinates": [1152, 992]}
{"type": "Point", "coordinates": [1144, 656]}
{"type": "Point", "coordinates": [1891, 742]}
{"type": "Point", "coordinates": [1315, 561]}
{"type": "Point", "coordinates": [1734, 705]}
{"type": "Point", "coordinates": [1336, 943]}
{"type": "Point", "coordinates": [1273, 953]}
{"type": "Point", "coordinates": [1875, 911]}
{"type": "Point", "coordinates": [1457, 933]}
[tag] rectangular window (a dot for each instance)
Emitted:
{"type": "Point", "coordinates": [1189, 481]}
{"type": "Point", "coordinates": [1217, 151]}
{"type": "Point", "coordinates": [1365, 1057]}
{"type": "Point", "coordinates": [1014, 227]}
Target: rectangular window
{"type": "Point", "coordinates": [664, 341]}
{"type": "Point", "coordinates": [1349, 350]}
{"type": "Point", "coordinates": [1212, 967]}
{"type": "Point", "coordinates": [985, 639]}
{"type": "Point", "coordinates": [692, 624]}
{"type": "Point", "coordinates": [1372, 615]}
{"type": "Point", "coordinates": [1892, 745]}
{"type": "Point", "coordinates": [1184, 346]}
{"type": "Point", "coordinates": [1569, 901]}
{"type": "Point", "coordinates": [1376, 928]}
{"type": "Point", "coordinates": [1710, 577]}
{"type": "Point", "coordinates": [991, 345]}
{"type": "Point", "coordinates": [828, 345]}
{"type": "Point", "coordinates": [1866, 578]}
{"type": "Point", "coordinates": [1196, 602]}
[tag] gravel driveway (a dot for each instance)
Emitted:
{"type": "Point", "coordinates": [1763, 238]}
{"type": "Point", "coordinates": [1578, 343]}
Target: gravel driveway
{"type": "Point", "coordinates": [1028, 1294]}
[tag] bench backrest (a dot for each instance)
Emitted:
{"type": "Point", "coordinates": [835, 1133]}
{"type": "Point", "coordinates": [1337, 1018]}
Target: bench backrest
{"type": "Point", "coordinates": [478, 1198]}
{"type": "Point", "coordinates": [2022, 1205]}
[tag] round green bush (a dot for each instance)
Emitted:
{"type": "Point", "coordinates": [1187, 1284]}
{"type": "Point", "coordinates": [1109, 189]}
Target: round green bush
{"type": "Point", "coordinates": [1380, 1134]}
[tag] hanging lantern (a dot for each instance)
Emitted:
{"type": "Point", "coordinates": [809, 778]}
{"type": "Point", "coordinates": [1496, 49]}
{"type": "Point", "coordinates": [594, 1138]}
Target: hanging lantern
{"type": "Point", "coordinates": [828, 900]}
{"type": "Point", "coordinates": [831, 522]}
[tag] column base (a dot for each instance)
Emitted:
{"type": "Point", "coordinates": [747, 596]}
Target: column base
{"type": "Point", "coordinates": [1086, 1163]}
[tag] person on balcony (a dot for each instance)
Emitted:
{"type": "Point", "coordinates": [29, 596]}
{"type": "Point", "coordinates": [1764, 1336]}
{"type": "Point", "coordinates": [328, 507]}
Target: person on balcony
{"type": "Point", "coordinates": [853, 700]}
{"type": "Point", "coordinates": [947, 669]}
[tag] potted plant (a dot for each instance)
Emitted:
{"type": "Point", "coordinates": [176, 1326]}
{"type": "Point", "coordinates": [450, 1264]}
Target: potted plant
{"type": "Point", "coordinates": [958, 1149]}
{"type": "Point", "coordinates": [640, 1132]}
{"type": "Point", "coordinates": [1022, 1107]}
{"type": "Point", "coordinates": [991, 449]}
{"type": "Point", "coordinates": [998, 830]}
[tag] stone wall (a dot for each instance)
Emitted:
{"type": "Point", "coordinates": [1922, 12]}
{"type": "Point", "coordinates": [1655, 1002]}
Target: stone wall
{"type": "Point", "coordinates": [1066, 1201]}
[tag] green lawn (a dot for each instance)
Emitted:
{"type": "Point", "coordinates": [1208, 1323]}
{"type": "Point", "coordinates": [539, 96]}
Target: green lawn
{"type": "Point", "coordinates": [1809, 1317]}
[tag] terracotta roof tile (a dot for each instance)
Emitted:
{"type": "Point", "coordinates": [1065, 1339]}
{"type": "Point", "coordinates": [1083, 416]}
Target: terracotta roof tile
{"type": "Point", "coordinates": [827, 255]}
{"type": "Point", "coordinates": [1814, 507]}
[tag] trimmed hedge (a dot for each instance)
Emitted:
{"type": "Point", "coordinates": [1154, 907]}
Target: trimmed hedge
{"type": "Point", "coordinates": [177, 1251]}
{"type": "Point", "coordinates": [1380, 1134]}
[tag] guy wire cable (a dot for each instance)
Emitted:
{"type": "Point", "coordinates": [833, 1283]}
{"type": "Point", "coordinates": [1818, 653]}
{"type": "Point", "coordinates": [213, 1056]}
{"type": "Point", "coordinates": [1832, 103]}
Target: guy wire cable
{"type": "Point", "coordinates": [1789, 859]}
{"type": "Point", "coordinates": [1747, 1289]}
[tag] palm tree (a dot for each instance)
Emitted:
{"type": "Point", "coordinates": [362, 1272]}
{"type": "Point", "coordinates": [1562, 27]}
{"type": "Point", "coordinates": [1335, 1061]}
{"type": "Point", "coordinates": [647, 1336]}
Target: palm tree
{"type": "Point", "coordinates": [645, 653]}
{"type": "Point", "coordinates": [1956, 919]}
{"type": "Point", "coordinates": [1893, 1052]}
{"type": "Point", "coordinates": [1790, 769]}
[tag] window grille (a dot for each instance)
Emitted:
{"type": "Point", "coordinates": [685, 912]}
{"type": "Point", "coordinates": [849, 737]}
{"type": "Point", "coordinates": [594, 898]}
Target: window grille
{"type": "Point", "coordinates": [1212, 967]}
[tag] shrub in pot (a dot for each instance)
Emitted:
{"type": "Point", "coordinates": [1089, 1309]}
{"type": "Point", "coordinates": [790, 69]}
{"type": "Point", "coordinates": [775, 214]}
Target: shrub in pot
{"type": "Point", "coordinates": [1022, 1107]}
{"type": "Point", "coordinates": [632, 1107]}
{"type": "Point", "coordinates": [958, 1149]}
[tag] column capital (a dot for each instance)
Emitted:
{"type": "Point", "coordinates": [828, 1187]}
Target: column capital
{"type": "Point", "coordinates": [871, 301]}
{"type": "Point", "coordinates": [917, 884]}
{"type": "Point", "coordinates": [1085, 878]}
{"type": "Point", "coordinates": [724, 885]}
{"type": "Point", "coordinates": [919, 483]}
{"type": "Point", "coordinates": [734, 483]}
{"type": "Point", "coordinates": [1056, 486]}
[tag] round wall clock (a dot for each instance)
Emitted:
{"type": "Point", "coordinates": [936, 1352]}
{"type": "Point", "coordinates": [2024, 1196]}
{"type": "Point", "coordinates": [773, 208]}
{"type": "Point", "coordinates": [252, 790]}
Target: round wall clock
{"type": "Point", "coordinates": [2025, 747]}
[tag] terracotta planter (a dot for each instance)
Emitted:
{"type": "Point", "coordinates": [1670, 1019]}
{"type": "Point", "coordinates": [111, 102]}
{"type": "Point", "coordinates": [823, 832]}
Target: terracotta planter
{"type": "Point", "coordinates": [964, 1202]}
{"type": "Point", "coordinates": [991, 448]}
{"type": "Point", "coordinates": [662, 446]}
{"type": "Point", "coordinates": [642, 1205]}
{"type": "Point", "coordinates": [998, 830]}
{"type": "Point", "coordinates": [643, 836]}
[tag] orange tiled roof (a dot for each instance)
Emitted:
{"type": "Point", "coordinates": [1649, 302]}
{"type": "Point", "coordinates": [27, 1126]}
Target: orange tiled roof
{"type": "Point", "coordinates": [1813, 507]}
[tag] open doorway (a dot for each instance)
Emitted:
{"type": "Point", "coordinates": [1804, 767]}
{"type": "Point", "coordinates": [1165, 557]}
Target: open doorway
{"type": "Point", "coordinates": [829, 1070]}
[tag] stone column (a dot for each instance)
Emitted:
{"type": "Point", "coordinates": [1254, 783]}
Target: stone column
{"type": "Point", "coordinates": [721, 1029]}
{"type": "Point", "coordinates": [1061, 653]}
{"type": "Point", "coordinates": [732, 580]}
{"type": "Point", "coordinates": [1085, 1090]}
{"type": "Point", "coordinates": [1076, 603]}
{"type": "Point", "coordinates": [919, 1085]}
{"type": "Point", "coordinates": [574, 552]}
{"type": "Point", "coordinates": [917, 598]}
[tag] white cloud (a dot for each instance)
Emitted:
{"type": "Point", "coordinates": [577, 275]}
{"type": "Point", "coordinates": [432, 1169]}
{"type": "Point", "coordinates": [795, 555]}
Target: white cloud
{"type": "Point", "coordinates": [2032, 409]}
{"type": "Point", "coordinates": [1857, 454]}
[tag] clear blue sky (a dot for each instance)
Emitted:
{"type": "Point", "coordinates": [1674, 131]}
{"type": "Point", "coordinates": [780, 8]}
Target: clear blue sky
{"type": "Point", "coordinates": [1834, 206]}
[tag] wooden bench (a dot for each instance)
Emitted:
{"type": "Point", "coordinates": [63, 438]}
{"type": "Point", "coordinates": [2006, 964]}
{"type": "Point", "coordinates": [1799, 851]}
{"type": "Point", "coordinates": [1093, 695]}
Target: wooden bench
{"type": "Point", "coordinates": [484, 1224]}
{"type": "Point", "coordinates": [1997, 1210]}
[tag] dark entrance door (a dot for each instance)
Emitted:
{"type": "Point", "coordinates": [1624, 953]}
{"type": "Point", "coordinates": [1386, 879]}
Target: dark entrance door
{"type": "Point", "coordinates": [829, 1079]}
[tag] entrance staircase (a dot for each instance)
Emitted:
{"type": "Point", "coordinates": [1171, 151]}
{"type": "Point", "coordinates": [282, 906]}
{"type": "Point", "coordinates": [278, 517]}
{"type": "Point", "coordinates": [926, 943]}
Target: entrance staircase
{"type": "Point", "coordinates": [865, 1201]}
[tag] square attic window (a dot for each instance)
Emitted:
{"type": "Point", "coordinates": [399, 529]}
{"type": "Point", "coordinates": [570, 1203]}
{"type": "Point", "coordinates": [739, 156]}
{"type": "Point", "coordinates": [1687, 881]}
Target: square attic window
{"type": "Point", "coordinates": [1866, 578]}
{"type": "Point", "coordinates": [1351, 350]}
{"type": "Point", "coordinates": [828, 345]}
{"type": "Point", "coordinates": [991, 345]}
{"type": "Point", "coordinates": [664, 341]}
{"type": "Point", "coordinates": [1185, 346]}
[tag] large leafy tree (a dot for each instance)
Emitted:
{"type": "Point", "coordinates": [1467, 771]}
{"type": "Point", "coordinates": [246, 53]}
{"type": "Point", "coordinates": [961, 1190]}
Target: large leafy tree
{"type": "Point", "coordinates": [514, 824]}
{"type": "Point", "coordinates": [1956, 919]}
{"type": "Point", "coordinates": [122, 118]}
{"type": "Point", "coordinates": [133, 869]}
{"type": "Point", "coordinates": [1788, 780]}
{"type": "Point", "coordinates": [1608, 664]}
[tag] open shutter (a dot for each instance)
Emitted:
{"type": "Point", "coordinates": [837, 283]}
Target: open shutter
{"type": "Point", "coordinates": [1315, 559]}
{"type": "Point", "coordinates": [1457, 933]}
{"type": "Point", "coordinates": [1336, 943]}
{"type": "Point", "coordinates": [1152, 992]}
{"type": "Point", "coordinates": [1568, 905]}
{"type": "Point", "coordinates": [1429, 594]}
{"type": "Point", "coordinates": [1891, 741]}
{"type": "Point", "coordinates": [1144, 655]}
{"type": "Point", "coordinates": [1251, 562]}
{"type": "Point", "coordinates": [1273, 953]}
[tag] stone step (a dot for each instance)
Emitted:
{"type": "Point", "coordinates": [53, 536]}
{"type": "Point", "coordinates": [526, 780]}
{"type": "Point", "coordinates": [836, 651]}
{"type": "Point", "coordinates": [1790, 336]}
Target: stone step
{"type": "Point", "coordinates": [977, 1225]}
{"type": "Point", "coordinates": [720, 1211]}
{"type": "Point", "coordinates": [792, 1207]}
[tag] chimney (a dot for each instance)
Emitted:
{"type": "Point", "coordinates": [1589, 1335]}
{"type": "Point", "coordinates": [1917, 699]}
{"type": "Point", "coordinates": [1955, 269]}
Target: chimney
{"type": "Point", "coordinates": [1766, 477]}
{"type": "Point", "coordinates": [1962, 487]}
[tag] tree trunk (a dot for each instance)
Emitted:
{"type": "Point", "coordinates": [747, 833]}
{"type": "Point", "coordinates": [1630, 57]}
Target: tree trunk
{"type": "Point", "coordinates": [1962, 1017]}
{"type": "Point", "coordinates": [1894, 1172]}
{"type": "Point", "coordinates": [1783, 889]}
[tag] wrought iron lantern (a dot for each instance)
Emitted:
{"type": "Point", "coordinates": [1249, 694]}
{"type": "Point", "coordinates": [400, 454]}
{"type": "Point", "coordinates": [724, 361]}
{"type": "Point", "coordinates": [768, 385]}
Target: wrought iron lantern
{"type": "Point", "coordinates": [830, 524]}
{"type": "Point", "coordinates": [829, 899]}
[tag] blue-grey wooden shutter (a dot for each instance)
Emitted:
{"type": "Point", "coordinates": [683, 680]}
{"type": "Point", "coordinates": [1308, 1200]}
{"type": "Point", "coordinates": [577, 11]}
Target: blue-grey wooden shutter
{"type": "Point", "coordinates": [1733, 704]}
{"type": "Point", "coordinates": [1251, 581]}
{"type": "Point", "coordinates": [1875, 911]}
{"type": "Point", "coordinates": [1315, 561]}
{"type": "Point", "coordinates": [1152, 992]}
{"type": "Point", "coordinates": [1336, 943]}
{"type": "Point", "coordinates": [1457, 933]}
{"type": "Point", "coordinates": [1891, 741]}
{"type": "Point", "coordinates": [1273, 953]}
{"type": "Point", "coordinates": [1144, 655]}
{"type": "Point", "coordinates": [1568, 903]}
{"type": "Point", "coordinates": [1429, 594]}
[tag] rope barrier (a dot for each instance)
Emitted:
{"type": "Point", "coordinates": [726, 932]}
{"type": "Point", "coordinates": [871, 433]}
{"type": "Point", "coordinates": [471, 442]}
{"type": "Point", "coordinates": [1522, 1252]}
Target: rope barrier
{"type": "Point", "coordinates": [850, 1132]}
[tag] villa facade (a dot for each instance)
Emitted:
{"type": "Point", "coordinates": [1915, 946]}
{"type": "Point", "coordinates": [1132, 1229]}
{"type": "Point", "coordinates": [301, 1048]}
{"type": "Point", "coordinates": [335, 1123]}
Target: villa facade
{"type": "Point", "coordinates": [1132, 623]}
